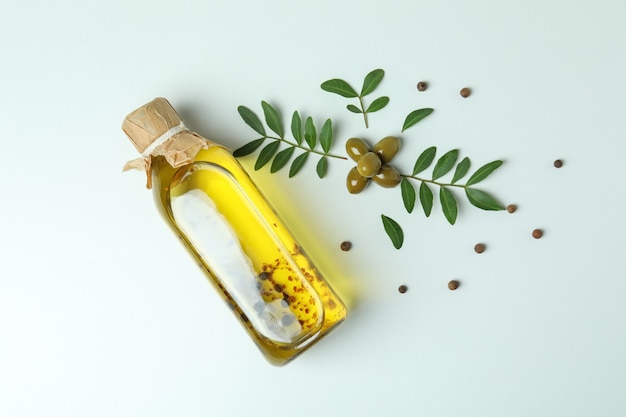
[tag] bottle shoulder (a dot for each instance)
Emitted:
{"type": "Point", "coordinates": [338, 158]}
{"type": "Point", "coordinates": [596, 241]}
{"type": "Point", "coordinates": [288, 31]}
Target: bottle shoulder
{"type": "Point", "coordinates": [163, 172]}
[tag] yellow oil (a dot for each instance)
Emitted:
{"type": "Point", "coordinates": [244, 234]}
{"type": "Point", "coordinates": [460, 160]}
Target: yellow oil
{"type": "Point", "coordinates": [280, 297]}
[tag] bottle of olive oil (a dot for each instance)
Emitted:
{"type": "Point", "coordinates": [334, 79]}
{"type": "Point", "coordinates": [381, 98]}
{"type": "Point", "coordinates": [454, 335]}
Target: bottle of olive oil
{"type": "Point", "coordinates": [260, 270]}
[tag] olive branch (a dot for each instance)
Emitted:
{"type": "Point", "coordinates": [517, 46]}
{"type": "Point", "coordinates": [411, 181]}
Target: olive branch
{"type": "Point", "coordinates": [307, 139]}
{"type": "Point", "coordinates": [443, 166]}
{"type": "Point", "coordinates": [307, 136]}
{"type": "Point", "coordinates": [371, 81]}
{"type": "Point", "coordinates": [476, 197]}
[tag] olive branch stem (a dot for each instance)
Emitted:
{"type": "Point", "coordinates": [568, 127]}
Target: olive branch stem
{"type": "Point", "coordinates": [295, 145]}
{"type": "Point", "coordinates": [440, 184]}
{"type": "Point", "coordinates": [364, 112]}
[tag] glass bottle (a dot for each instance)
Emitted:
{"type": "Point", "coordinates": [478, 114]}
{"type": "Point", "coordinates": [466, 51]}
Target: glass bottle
{"type": "Point", "coordinates": [259, 269]}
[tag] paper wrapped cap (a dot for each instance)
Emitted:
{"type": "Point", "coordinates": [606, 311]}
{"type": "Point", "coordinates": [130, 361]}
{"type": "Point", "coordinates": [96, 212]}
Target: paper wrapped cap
{"type": "Point", "coordinates": [156, 129]}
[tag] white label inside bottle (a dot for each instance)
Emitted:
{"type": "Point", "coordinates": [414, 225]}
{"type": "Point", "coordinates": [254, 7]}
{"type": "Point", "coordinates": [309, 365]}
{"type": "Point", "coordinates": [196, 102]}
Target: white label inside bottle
{"type": "Point", "coordinates": [215, 241]}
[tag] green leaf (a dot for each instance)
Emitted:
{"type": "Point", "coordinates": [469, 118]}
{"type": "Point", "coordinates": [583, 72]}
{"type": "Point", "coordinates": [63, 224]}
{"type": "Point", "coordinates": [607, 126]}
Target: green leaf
{"type": "Point", "coordinates": [371, 81]}
{"type": "Point", "coordinates": [266, 154]}
{"type": "Point", "coordinates": [445, 163]}
{"type": "Point", "coordinates": [408, 194]}
{"type": "Point", "coordinates": [251, 119]}
{"type": "Point", "coordinates": [482, 200]}
{"type": "Point", "coordinates": [448, 204]}
{"type": "Point", "coordinates": [393, 230]}
{"type": "Point", "coordinates": [296, 127]}
{"type": "Point", "coordinates": [297, 164]}
{"type": "Point", "coordinates": [426, 198]}
{"type": "Point", "coordinates": [414, 117]}
{"type": "Point", "coordinates": [378, 104]}
{"type": "Point", "coordinates": [353, 108]}
{"type": "Point", "coordinates": [340, 87]}
{"type": "Point", "coordinates": [326, 135]}
{"type": "Point", "coordinates": [248, 148]}
{"type": "Point", "coordinates": [483, 172]}
{"type": "Point", "coordinates": [424, 160]}
{"type": "Point", "coordinates": [281, 159]}
{"type": "Point", "coordinates": [272, 118]}
{"type": "Point", "coordinates": [310, 134]}
{"type": "Point", "coordinates": [322, 167]}
{"type": "Point", "coordinates": [461, 169]}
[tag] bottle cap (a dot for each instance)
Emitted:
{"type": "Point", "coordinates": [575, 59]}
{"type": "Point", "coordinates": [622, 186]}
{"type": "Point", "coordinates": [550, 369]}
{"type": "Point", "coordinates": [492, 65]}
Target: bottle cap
{"type": "Point", "coordinates": [156, 129]}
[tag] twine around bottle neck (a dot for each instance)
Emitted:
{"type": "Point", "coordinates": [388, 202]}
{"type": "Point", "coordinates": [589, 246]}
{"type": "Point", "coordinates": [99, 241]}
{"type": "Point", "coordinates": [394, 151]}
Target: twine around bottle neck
{"type": "Point", "coordinates": [163, 138]}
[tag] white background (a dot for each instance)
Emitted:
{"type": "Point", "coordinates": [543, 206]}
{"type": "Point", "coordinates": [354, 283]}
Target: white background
{"type": "Point", "coordinates": [102, 312]}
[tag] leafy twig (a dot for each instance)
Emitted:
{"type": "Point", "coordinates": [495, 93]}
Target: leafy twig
{"type": "Point", "coordinates": [449, 206]}
{"type": "Point", "coordinates": [444, 165]}
{"type": "Point", "coordinates": [371, 81]}
{"type": "Point", "coordinates": [308, 137]}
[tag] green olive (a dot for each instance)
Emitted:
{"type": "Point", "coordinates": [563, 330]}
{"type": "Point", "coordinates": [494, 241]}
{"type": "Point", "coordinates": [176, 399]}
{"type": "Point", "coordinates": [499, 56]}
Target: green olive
{"type": "Point", "coordinates": [356, 148]}
{"type": "Point", "coordinates": [387, 177]}
{"type": "Point", "coordinates": [387, 148]}
{"type": "Point", "coordinates": [355, 182]}
{"type": "Point", "coordinates": [368, 165]}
